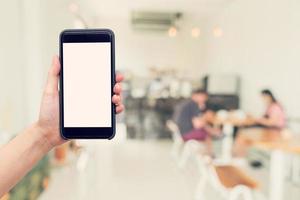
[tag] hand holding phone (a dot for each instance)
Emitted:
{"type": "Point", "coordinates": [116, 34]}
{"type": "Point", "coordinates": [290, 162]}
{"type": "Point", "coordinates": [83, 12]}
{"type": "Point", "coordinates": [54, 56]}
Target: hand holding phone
{"type": "Point", "coordinates": [87, 81]}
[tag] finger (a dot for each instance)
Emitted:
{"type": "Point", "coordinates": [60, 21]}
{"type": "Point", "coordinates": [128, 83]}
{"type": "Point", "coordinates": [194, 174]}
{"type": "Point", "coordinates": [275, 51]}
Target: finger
{"type": "Point", "coordinates": [117, 88]}
{"type": "Point", "coordinates": [116, 99]}
{"type": "Point", "coordinates": [120, 108]}
{"type": "Point", "coordinates": [53, 76]}
{"type": "Point", "coordinates": [119, 78]}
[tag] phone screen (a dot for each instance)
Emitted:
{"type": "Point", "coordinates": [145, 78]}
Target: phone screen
{"type": "Point", "coordinates": [87, 84]}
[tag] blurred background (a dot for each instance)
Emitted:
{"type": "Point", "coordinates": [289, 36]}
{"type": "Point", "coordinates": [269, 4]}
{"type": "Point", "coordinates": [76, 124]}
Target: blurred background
{"type": "Point", "coordinates": [166, 49]}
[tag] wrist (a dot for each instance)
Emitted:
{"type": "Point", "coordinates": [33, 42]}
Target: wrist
{"type": "Point", "coordinates": [41, 137]}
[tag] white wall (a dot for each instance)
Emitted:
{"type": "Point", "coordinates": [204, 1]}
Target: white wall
{"type": "Point", "coordinates": [29, 39]}
{"type": "Point", "coordinates": [261, 43]}
{"type": "Point", "coordinates": [11, 71]}
{"type": "Point", "coordinates": [137, 51]}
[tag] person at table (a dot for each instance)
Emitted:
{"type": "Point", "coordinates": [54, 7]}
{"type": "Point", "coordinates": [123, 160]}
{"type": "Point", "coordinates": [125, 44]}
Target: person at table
{"type": "Point", "coordinates": [194, 120]}
{"type": "Point", "coordinates": [271, 124]}
{"type": "Point", "coordinates": [187, 113]}
{"type": "Point", "coordinates": [274, 117]}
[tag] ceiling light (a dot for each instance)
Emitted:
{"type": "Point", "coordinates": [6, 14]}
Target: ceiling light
{"type": "Point", "coordinates": [172, 31]}
{"type": "Point", "coordinates": [195, 32]}
{"type": "Point", "coordinates": [73, 8]}
{"type": "Point", "coordinates": [218, 32]}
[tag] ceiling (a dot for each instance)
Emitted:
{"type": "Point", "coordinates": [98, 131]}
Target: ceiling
{"type": "Point", "coordinates": [122, 8]}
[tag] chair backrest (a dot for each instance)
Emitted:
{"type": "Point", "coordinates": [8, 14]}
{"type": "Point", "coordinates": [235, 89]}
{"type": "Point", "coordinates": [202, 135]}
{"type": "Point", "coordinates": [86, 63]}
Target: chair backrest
{"type": "Point", "coordinates": [215, 179]}
{"type": "Point", "coordinates": [208, 174]}
{"type": "Point", "coordinates": [176, 136]}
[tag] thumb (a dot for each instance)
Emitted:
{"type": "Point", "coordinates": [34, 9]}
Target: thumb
{"type": "Point", "coordinates": [53, 76]}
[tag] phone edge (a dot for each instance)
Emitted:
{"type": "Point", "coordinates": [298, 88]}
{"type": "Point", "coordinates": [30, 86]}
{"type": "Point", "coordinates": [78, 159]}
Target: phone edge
{"type": "Point", "coordinates": [113, 72]}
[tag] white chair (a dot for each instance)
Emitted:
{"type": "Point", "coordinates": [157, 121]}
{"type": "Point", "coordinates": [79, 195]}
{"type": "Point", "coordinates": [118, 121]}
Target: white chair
{"type": "Point", "coordinates": [203, 176]}
{"type": "Point", "coordinates": [209, 175]}
{"type": "Point", "coordinates": [177, 140]}
{"type": "Point", "coordinates": [190, 148]}
{"type": "Point", "coordinates": [295, 171]}
{"type": "Point", "coordinates": [182, 151]}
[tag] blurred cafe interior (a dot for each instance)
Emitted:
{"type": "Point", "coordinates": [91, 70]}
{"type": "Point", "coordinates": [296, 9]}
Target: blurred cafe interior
{"type": "Point", "coordinates": [211, 91]}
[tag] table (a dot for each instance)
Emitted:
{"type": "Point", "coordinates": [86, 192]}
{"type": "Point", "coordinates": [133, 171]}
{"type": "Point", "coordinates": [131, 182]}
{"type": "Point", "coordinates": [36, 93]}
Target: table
{"type": "Point", "coordinates": [278, 163]}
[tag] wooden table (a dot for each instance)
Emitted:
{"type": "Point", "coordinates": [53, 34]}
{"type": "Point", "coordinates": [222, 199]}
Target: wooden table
{"type": "Point", "coordinates": [278, 145]}
{"type": "Point", "coordinates": [279, 151]}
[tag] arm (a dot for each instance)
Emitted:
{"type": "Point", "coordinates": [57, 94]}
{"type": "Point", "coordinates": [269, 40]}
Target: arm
{"type": "Point", "coordinates": [20, 155]}
{"type": "Point", "coordinates": [204, 120]}
{"type": "Point", "coordinates": [198, 122]}
{"type": "Point", "coordinates": [24, 151]}
{"type": "Point", "coordinates": [275, 118]}
{"type": "Point", "coordinates": [269, 121]}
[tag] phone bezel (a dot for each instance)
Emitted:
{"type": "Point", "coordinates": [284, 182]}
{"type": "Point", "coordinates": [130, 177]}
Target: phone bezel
{"type": "Point", "coordinates": [79, 36]}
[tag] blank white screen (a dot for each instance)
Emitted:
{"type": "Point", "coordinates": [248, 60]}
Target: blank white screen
{"type": "Point", "coordinates": [87, 84]}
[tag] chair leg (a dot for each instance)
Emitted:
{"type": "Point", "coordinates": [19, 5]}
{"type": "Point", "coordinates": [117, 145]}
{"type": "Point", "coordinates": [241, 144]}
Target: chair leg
{"type": "Point", "coordinates": [185, 155]}
{"type": "Point", "coordinates": [240, 191]}
{"type": "Point", "coordinates": [296, 170]}
{"type": "Point", "coordinates": [189, 149]}
{"type": "Point", "coordinates": [175, 150]}
{"type": "Point", "coordinates": [199, 194]}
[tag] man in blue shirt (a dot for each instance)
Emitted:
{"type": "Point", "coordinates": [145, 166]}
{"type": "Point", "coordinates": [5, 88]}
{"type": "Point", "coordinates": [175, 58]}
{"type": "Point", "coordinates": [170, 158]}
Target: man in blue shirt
{"type": "Point", "coordinates": [187, 113]}
{"type": "Point", "coordinates": [195, 121]}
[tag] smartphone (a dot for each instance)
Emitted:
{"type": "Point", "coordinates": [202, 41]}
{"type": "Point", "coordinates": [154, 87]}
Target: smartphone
{"type": "Point", "coordinates": [87, 78]}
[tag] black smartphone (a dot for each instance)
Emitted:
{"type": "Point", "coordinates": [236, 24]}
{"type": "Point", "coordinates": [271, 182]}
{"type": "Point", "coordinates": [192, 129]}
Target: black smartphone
{"type": "Point", "coordinates": [87, 78]}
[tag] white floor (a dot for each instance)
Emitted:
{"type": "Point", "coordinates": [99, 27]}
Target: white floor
{"type": "Point", "coordinates": [134, 170]}
{"type": "Point", "coordinates": [131, 170]}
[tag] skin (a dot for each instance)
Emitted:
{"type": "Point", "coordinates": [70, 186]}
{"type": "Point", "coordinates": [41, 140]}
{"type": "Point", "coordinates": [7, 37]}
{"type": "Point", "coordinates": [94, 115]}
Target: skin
{"type": "Point", "coordinates": [273, 120]}
{"type": "Point", "coordinates": [25, 150]}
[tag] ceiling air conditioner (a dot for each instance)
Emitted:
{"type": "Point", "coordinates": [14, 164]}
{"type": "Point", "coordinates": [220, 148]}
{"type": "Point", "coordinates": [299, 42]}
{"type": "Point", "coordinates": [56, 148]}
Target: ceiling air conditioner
{"type": "Point", "coordinates": [157, 21]}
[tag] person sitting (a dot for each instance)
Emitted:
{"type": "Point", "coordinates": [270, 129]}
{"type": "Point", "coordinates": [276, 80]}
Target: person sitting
{"type": "Point", "coordinates": [270, 124]}
{"type": "Point", "coordinates": [274, 117]}
{"type": "Point", "coordinates": [194, 120]}
{"type": "Point", "coordinates": [187, 112]}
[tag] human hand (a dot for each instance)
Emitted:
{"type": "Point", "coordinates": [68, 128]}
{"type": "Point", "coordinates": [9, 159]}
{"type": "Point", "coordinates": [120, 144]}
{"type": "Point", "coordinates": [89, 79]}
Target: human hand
{"type": "Point", "coordinates": [198, 122]}
{"type": "Point", "coordinates": [48, 121]}
{"type": "Point", "coordinates": [261, 121]}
